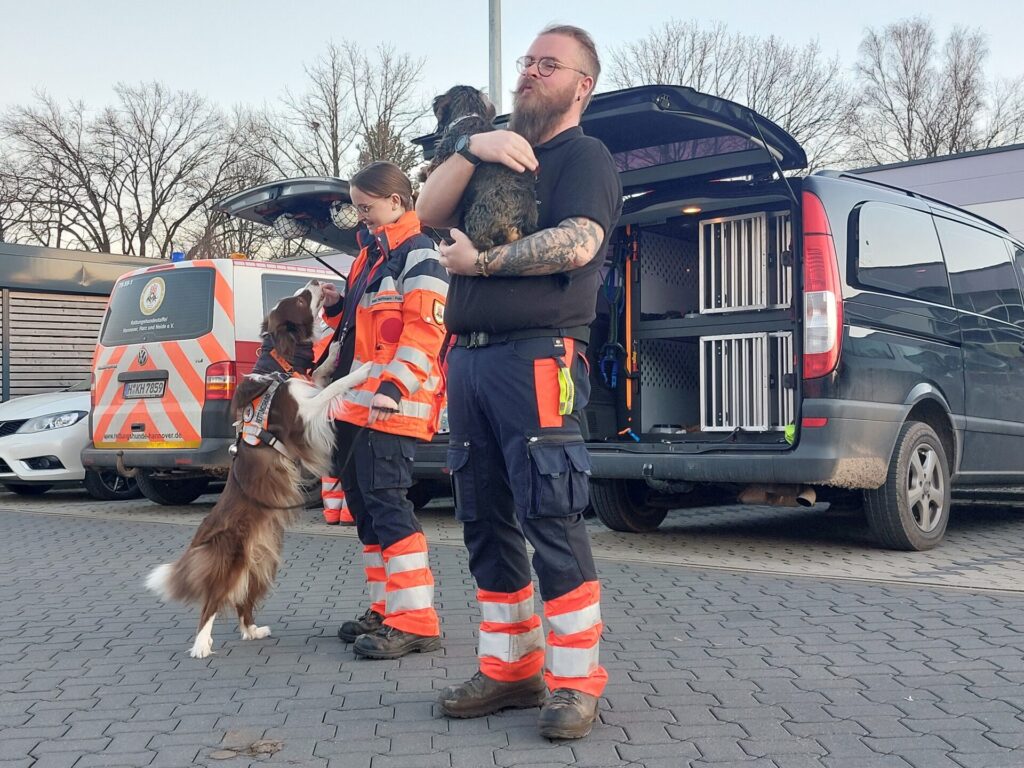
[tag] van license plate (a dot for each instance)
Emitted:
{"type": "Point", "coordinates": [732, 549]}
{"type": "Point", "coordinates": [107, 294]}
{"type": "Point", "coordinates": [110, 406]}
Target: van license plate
{"type": "Point", "coordinates": [134, 389]}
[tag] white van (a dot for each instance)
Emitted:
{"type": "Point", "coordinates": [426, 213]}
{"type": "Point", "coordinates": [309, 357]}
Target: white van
{"type": "Point", "coordinates": [175, 340]}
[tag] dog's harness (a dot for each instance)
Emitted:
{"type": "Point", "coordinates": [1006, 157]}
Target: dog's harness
{"type": "Point", "coordinates": [255, 419]}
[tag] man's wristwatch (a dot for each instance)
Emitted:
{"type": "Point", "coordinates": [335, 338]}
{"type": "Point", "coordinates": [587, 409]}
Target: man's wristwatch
{"type": "Point", "coordinates": [462, 148]}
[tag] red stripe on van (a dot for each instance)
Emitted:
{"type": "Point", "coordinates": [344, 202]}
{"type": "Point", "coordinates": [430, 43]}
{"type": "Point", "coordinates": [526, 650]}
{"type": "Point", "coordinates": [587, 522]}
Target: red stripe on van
{"type": "Point", "coordinates": [224, 295]}
{"type": "Point", "coordinates": [183, 367]}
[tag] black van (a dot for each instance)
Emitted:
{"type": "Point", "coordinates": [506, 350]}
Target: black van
{"type": "Point", "coordinates": [791, 338]}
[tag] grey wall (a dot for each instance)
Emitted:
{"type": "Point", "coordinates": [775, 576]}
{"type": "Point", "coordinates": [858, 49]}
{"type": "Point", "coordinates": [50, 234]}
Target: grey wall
{"type": "Point", "coordinates": [990, 184]}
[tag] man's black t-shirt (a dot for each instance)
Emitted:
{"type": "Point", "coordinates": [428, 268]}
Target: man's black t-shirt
{"type": "Point", "coordinates": [577, 177]}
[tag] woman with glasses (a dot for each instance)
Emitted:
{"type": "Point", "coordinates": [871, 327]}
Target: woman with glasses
{"type": "Point", "coordinates": [392, 317]}
{"type": "Point", "coordinates": [517, 383]}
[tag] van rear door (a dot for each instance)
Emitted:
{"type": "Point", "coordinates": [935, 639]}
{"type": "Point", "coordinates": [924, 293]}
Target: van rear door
{"type": "Point", "coordinates": [166, 331]}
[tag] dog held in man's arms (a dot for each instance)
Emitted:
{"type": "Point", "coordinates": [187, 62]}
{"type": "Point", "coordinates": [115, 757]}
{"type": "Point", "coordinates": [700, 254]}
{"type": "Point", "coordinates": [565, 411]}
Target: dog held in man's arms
{"type": "Point", "coordinates": [233, 558]}
{"type": "Point", "coordinates": [499, 205]}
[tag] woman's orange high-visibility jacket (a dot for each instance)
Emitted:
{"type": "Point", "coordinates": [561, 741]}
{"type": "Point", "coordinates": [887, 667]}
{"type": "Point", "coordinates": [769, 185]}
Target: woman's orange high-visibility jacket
{"type": "Point", "coordinates": [399, 327]}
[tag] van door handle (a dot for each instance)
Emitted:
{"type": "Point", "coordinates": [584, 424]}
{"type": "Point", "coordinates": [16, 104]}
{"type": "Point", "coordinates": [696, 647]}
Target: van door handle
{"type": "Point", "coordinates": [1021, 346]}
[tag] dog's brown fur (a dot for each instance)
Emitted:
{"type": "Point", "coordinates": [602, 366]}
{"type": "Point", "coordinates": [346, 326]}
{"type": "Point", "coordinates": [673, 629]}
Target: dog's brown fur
{"type": "Point", "coordinates": [499, 205]}
{"type": "Point", "coordinates": [234, 556]}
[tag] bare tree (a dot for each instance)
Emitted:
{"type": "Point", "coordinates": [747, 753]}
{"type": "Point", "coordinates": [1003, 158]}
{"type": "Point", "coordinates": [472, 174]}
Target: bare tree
{"type": "Point", "coordinates": [356, 105]}
{"type": "Point", "coordinates": [126, 179]}
{"type": "Point", "coordinates": [798, 88]}
{"type": "Point", "coordinates": [920, 99]}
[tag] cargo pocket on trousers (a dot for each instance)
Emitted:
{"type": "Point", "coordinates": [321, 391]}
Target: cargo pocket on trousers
{"type": "Point", "coordinates": [561, 479]}
{"type": "Point", "coordinates": [392, 461]}
{"type": "Point", "coordinates": [463, 490]}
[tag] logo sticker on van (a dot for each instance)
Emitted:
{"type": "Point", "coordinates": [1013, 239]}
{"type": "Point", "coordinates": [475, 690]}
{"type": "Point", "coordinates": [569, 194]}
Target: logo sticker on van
{"type": "Point", "coordinates": [152, 296]}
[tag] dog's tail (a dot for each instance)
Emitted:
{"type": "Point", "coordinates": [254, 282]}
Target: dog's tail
{"type": "Point", "coordinates": [197, 575]}
{"type": "Point", "coordinates": [158, 581]}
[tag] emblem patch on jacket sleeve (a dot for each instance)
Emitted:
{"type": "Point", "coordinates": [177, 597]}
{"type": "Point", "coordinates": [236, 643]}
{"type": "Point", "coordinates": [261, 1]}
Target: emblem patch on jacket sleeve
{"type": "Point", "coordinates": [438, 312]}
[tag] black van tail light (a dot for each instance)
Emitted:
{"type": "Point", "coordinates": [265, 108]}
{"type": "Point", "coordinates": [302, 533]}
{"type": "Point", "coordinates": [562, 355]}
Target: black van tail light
{"type": "Point", "coordinates": [221, 380]}
{"type": "Point", "coordinates": [823, 297]}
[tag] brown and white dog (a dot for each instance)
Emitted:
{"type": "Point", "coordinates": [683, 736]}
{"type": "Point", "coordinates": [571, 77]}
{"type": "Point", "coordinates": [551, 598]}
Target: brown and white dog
{"type": "Point", "coordinates": [234, 555]}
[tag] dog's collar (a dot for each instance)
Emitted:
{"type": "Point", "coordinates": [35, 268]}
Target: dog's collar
{"type": "Point", "coordinates": [255, 420]}
{"type": "Point", "coordinates": [453, 123]}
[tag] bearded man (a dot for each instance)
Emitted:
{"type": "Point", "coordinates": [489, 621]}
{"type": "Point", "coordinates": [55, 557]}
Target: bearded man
{"type": "Point", "coordinates": [517, 383]}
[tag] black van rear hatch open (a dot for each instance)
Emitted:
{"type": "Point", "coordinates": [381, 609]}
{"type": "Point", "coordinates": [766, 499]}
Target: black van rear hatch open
{"type": "Point", "coordinates": [662, 133]}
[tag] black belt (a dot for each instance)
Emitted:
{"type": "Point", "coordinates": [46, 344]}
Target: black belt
{"type": "Point", "coordinates": [483, 339]}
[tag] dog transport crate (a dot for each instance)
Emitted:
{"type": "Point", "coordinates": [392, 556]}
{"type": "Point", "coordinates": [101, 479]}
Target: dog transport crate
{"type": "Point", "coordinates": [714, 338]}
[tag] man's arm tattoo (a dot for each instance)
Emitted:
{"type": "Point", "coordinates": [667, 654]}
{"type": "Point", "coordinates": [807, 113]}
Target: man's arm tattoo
{"type": "Point", "coordinates": [570, 245]}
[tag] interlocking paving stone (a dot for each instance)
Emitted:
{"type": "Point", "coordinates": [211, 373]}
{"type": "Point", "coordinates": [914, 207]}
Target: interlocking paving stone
{"type": "Point", "coordinates": [804, 647]}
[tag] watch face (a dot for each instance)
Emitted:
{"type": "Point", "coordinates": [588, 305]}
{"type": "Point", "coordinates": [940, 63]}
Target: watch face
{"type": "Point", "coordinates": [461, 143]}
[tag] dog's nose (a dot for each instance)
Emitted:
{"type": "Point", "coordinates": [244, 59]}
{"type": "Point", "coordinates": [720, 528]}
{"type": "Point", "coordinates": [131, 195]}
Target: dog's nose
{"type": "Point", "coordinates": [314, 282]}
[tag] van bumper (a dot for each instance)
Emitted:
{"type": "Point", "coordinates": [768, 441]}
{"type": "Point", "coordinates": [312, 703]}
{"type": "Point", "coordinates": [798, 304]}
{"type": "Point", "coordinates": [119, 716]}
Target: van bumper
{"type": "Point", "coordinates": [851, 451]}
{"type": "Point", "coordinates": [211, 453]}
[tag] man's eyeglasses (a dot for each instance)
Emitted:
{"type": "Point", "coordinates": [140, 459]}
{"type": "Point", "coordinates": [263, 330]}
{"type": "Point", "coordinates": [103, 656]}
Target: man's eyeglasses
{"type": "Point", "coordinates": [546, 66]}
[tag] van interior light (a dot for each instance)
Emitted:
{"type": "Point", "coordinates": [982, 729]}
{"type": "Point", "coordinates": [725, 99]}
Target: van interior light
{"type": "Point", "coordinates": [289, 227]}
{"type": "Point", "coordinates": [692, 209]}
{"type": "Point", "coordinates": [344, 215]}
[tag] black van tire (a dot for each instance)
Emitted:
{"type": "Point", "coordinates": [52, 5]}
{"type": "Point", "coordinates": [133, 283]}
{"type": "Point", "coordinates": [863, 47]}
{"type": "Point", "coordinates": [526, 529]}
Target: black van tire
{"type": "Point", "coordinates": [171, 492]}
{"type": "Point", "coordinates": [622, 505]}
{"type": "Point", "coordinates": [108, 485]}
{"type": "Point", "coordinates": [895, 521]}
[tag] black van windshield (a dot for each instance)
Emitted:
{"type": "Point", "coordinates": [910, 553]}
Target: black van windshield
{"type": "Point", "coordinates": [167, 305]}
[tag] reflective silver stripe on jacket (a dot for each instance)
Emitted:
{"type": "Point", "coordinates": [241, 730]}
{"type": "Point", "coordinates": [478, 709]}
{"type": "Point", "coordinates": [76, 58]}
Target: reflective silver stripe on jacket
{"type": "Point", "coordinates": [401, 371]}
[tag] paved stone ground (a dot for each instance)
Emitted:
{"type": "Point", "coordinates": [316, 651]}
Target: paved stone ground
{"type": "Point", "coordinates": [709, 666]}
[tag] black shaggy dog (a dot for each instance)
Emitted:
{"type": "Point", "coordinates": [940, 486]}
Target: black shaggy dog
{"type": "Point", "coordinates": [499, 205]}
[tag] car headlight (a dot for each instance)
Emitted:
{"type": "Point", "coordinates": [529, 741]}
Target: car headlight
{"type": "Point", "coordinates": [53, 421]}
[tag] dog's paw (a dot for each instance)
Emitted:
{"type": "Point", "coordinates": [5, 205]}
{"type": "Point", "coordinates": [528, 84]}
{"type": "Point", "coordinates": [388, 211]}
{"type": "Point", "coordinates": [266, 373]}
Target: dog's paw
{"type": "Point", "coordinates": [252, 632]}
{"type": "Point", "coordinates": [201, 648]}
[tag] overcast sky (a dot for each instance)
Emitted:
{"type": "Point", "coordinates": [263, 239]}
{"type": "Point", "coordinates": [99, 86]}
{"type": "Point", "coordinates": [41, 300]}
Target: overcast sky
{"type": "Point", "coordinates": [248, 52]}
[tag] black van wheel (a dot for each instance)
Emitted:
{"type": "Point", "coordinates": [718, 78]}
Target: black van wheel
{"type": "Point", "coordinates": [171, 492]}
{"type": "Point", "coordinates": [108, 485]}
{"type": "Point", "coordinates": [623, 505]}
{"type": "Point", "coordinates": [911, 510]}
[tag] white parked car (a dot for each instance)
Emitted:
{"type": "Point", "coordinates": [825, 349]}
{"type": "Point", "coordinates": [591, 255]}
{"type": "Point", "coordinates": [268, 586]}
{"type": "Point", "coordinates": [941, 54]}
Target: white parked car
{"type": "Point", "coordinates": [41, 441]}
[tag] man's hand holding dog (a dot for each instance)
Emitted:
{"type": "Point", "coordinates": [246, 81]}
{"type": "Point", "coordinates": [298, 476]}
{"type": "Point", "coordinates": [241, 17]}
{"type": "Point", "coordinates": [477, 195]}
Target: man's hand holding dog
{"type": "Point", "coordinates": [505, 147]}
{"type": "Point", "coordinates": [460, 256]}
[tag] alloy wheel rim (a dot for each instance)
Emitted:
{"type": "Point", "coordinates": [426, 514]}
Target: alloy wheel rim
{"type": "Point", "coordinates": [926, 490]}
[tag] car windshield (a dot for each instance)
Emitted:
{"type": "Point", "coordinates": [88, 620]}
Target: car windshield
{"type": "Point", "coordinates": [81, 386]}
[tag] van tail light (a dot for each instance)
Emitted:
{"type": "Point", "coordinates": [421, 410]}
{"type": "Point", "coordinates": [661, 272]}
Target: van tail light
{"type": "Point", "coordinates": [823, 297]}
{"type": "Point", "coordinates": [220, 381]}
{"type": "Point", "coordinates": [92, 391]}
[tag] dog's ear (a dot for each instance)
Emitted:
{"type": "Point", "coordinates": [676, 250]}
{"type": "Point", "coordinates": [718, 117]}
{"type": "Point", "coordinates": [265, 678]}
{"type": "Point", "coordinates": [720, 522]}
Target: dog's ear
{"type": "Point", "coordinates": [441, 112]}
{"type": "Point", "coordinates": [250, 388]}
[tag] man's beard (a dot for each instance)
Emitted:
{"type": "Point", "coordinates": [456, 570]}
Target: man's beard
{"type": "Point", "coordinates": [535, 115]}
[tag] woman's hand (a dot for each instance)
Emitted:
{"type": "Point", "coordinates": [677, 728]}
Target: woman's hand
{"type": "Point", "coordinates": [382, 408]}
{"type": "Point", "coordinates": [330, 293]}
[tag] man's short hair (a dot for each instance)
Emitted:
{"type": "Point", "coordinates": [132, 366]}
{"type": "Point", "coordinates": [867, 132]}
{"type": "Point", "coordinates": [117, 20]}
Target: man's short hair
{"type": "Point", "coordinates": [591, 62]}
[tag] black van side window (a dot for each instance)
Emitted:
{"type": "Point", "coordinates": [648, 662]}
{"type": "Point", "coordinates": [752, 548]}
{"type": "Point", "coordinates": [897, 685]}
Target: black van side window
{"type": "Point", "coordinates": [980, 271]}
{"type": "Point", "coordinates": [898, 252]}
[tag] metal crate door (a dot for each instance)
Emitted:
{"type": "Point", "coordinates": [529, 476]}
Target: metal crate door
{"type": "Point", "coordinates": [734, 391]}
{"type": "Point", "coordinates": [733, 263]}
